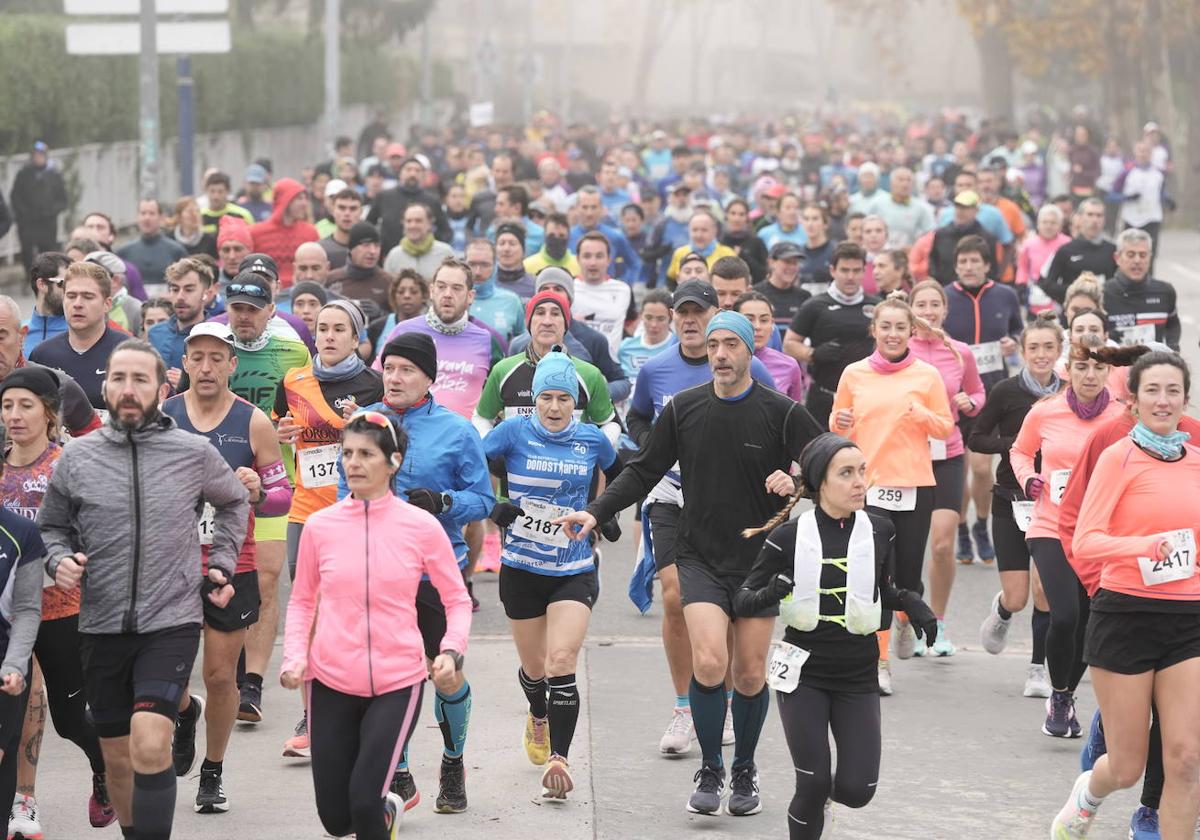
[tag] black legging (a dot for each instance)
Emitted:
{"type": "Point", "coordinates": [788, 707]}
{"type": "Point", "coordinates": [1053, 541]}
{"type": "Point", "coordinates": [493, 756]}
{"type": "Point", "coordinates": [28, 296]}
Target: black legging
{"type": "Point", "coordinates": [808, 716]}
{"type": "Point", "coordinates": [912, 533]}
{"type": "Point", "coordinates": [57, 652]}
{"type": "Point", "coordinates": [355, 744]}
{"type": "Point", "coordinates": [1068, 613]}
{"type": "Point", "coordinates": [12, 715]}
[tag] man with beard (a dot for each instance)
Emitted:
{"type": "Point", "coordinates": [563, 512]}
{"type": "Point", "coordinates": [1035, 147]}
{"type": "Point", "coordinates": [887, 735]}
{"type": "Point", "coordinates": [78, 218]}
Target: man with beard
{"type": "Point", "coordinates": [47, 319]}
{"type": "Point", "coordinates": [387, 208]}
{"type": "Point", "coordinates": [190, 289]}
{"type": "Point", "coordinates": [83, 350]}
{"type": "Point", "coordinates": [670, 233]}
{"type": "Point", "coordinates": [139, 614]}
{"type": "Point", "coordinates": [419, 249]}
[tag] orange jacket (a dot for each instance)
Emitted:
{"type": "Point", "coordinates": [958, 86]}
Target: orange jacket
{"type": "Point", "coordinates": [278, 240]}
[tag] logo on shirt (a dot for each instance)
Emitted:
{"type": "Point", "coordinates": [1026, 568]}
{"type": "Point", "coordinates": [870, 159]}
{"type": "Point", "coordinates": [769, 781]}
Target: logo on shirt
{"type": "Point", "coordinates": [579, 449]}
{"type": "Point", "coordinates": [1076, 257]}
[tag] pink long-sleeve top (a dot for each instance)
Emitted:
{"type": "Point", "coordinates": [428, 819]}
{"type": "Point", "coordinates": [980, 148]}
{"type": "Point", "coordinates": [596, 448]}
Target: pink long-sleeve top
{"type": "Point", "coordinates": [1061, 436]}
{"type": "Point", "coordinates": [361, 563]}
{"type": "Point", "coordinates": [958, 375]}
{"type": "Point", "coordinates": [1034, 255]}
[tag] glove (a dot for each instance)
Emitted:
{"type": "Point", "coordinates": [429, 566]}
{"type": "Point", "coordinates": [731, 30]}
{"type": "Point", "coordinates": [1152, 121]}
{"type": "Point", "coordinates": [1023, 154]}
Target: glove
{"type": "Point", "coordinates": [611, 530]}
{"type": "Point", "coordinates": [1034, 488]}
{"type": "Point", "coordinates": [425, 499]}
{"type": "Point", "coordinates": [780, 586]}
{"type": "Point", "coordinates": [827, 352]}
{"type": "Point", "coordinates": [505, 514]}
{"type": "Point", "coordinates": [923, 621]}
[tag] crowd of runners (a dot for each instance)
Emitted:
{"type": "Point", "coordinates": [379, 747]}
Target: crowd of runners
{"type": "Point", "coordinates": [795, 357]}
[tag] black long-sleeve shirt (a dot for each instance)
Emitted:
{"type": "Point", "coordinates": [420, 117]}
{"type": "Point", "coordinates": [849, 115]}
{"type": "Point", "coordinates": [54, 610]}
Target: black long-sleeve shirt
{"type": "Point", "coordinates": [838, 659]}
{"type": "Point", "coordinates": [1074, 258]}
{"type": "Point", "coordinates": [1132, 304]}
{"type": "Point", "coordinates": [995, 429]}
{"type": "Point", "coordinates": [725, 449]}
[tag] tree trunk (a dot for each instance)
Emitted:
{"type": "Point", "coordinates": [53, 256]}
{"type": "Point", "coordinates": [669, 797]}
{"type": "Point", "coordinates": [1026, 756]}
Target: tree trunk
{"type": "Point", "coordinates": [997, 72]}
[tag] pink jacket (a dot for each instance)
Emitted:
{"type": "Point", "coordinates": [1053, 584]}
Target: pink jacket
{"type": "Point", "coordinates": [958, 376]}
{"type": "Point", "coordinates": [360, 563]}
{"type": "Point", "coordinates": [1034, 255]}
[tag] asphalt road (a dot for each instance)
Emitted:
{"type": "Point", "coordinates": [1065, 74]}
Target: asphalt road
{"type": "Point", "coordinates": [963, 755]}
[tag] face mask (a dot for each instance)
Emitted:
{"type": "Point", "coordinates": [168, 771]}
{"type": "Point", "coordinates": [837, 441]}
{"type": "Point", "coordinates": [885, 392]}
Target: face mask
{"type": "Point", "coordinates": [556, 247]}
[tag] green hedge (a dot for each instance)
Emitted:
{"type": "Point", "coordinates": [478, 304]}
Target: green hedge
{"type": "Point", "coordinates": [269, 79]}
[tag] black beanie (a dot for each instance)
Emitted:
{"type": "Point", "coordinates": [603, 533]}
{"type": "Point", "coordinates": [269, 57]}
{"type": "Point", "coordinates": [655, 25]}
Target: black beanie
{"type": "Point", "coordinates": [310, 287]}
{"type": "Point", "coordinates": [815, 458]}
{"type": "Point", "coordinates": [417, 347]}
{"type": "Point", "coordinates": [362, 232]}
{"type": "Point", "coordinates": [41, 381]}
{"type": "Point", "coordinates": [515, 228]}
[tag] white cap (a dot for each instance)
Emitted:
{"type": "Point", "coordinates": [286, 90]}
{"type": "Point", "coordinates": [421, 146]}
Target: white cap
{"type": "Point", "coordinates": [334, 187]}
{"type": "Point", "coordinates": [212, 329]}
{"type": "Point", "coordinates": [1029, 148]}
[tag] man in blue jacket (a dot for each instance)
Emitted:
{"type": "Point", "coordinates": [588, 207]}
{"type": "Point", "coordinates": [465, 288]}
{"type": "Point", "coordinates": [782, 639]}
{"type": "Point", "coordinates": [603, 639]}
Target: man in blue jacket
{"type": "Point", "coordinates": [626, 263]}
{"type": "Point", "coordinates": [446, 474]}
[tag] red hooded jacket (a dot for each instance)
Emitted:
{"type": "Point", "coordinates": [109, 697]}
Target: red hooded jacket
{"type": "Point", "coordinates": [278, 240]}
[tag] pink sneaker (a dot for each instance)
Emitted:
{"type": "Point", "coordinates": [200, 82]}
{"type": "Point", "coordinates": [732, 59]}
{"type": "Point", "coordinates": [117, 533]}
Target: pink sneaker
{"type": "Point", "coordinates": [100, 810]}
{"type": "Point", "coordinates": [489, 560]}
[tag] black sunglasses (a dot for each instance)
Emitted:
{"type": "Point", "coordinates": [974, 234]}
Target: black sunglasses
{"type": "Point", "coordinates": [248, 290]}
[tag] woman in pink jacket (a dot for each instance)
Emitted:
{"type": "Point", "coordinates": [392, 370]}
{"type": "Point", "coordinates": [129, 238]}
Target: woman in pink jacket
{"type": "Point", "coordinates": [362, 660]}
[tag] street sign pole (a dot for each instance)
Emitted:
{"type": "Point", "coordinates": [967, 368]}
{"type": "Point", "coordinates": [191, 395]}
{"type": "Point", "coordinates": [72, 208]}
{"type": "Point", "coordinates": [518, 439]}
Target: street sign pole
{"type": "Point", "coordinates": [333, 70]}
{"type": "Point", "coordinates": [148, 127]}
{"type": "Point", "coordinates": [187, 124]}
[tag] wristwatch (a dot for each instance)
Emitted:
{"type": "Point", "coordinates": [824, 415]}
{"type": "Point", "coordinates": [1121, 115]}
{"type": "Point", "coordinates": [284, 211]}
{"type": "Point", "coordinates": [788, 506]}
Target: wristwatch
{"type": "Point", "coordinates": [447, 501]}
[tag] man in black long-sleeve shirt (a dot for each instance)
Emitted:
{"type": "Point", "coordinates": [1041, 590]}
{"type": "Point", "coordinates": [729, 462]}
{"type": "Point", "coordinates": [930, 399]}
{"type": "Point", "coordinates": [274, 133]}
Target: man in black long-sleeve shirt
{"type": "Point", "coordinates": [734, 441]}
{"type": "Point", "coordinates": [1140, 309]}
{"type": "Point", "coordinates": [1088, 251]}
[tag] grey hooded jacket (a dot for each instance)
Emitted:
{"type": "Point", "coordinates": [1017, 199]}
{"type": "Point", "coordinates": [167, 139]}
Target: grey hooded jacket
{"type": "Point", "coordinates": [130, 502]}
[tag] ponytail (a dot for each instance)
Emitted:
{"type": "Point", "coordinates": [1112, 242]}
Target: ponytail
{"type": "Point", "coordinates": [778, 519]}
{"type": "Point", "coordinates": [922, 324]}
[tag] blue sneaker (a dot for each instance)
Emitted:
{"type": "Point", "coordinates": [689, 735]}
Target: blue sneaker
{"type": "Point", "coordinates": [983, 541]}
{"type": "Point", "coordinates": [1144, 824]}
{"type": "Point", "coordinates": [966, 552]}
{"type": "Point", "coordinates": [1095, 747]}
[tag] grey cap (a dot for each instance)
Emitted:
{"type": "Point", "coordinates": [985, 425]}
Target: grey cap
{"type": "Point", "coordinates": [557, 276]}
{"type": "Point", "coordinates": [107, 260]}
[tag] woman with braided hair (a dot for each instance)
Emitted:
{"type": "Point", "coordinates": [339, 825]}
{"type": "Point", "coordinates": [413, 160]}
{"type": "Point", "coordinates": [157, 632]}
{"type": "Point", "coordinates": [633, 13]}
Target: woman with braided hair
{"type": "Point", "coordinates": [832, 567]}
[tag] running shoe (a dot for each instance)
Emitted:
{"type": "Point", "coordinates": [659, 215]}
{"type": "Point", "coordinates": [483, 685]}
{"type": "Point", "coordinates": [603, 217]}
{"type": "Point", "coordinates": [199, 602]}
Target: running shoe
{"type": "Point", "coordinates": [743, 792]}
{"type": "Point", "coordinates": [966, 552]}
{"type": "Point", "coordinates": [677, 740]}
{"type": "Point", "coordinates": [993, 633]}
{"type": "Point", "coordinates": [405, 787]}
{"type": "Point", "coordinates": [183, 744]}
{"type": "Point", "coordinates": [710, 784]}
{"type": "Point", "coordinates": [297, 746]}
{"type": "Point", "coordinates": [943, 646]}
{"type": "Point", "coordinates": [906, 639]}
{"type": "Point", "coordinates": [393, 814]}
{"type": "Point", "coordinates": [1143, 825]}
{"type": "Point", "coordinates": [556, 781]}
{"type": "Point", "coordinates": [1037, 684]}
{"type": "Point", "coordinates": [23, 821]}
{"type": "Point", "coordinates": [728, 738]}
{"type": "Point", "coordinates": [474, 600]}
{"type": "Point", "coordinates": [1095, 746]}
{"type": "Point", "coordinates": [983, 542]}
{"type": "Point", "coordinates": [211, 798]}
{"type": "Point", "coordinates": [1075, 819]}
{"type": "Point", "coordinates": [1060, 714]}
{"type": "Point", "coordinates": [537, 739]}
{"type": "Point", "coordinates": [452, 787]}
{"type": "Point", "coordinates": [885, 678]}
{"type": "Point", "coordinates": [100, 809]}
{"type": "Point", "coordinates": [250, 707]}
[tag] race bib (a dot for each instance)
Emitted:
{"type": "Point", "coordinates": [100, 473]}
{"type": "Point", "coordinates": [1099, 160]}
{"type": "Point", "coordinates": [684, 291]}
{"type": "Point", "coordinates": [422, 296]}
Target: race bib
{"type": "Point", "coordinates": [1179, 565]}
{"type": "Point", "coordinates": [1139, 334]}
{"type": "Point", "coordinates": [937, 449]}
{"type": "Point", "coordinates": [1023, 514]}
{"type": "Point", "coordinates": [205, 525]}
{"type": "Point", "coordinates": [893, 498]}
{"type": "Point", "coordinates": [988, 357]}
{"type": "Point", "coordinates": [318, 465]}
{"type": "Point", "coordinates": [1058, 485]}
{"type": "Point", "coordinates": [537, 525]}
{"type": "Point", "coordinates": [783, 671]}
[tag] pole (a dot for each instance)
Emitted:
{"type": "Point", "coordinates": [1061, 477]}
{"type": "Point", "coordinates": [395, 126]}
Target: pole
{"type": "Point", "coordinates": [333, 70]}
{"type": "Point", "coordinates": [148, 125]}
{"type": "Point", "coordinates": [183, 73]}
{"type": "Point", "coordinates": [426, 110]}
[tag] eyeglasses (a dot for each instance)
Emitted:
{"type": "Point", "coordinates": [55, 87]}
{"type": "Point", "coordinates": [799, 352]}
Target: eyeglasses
{"type": "Point", "coordinates": [248, 290]}
{"type": "Point", "coordinates": [376, 418]}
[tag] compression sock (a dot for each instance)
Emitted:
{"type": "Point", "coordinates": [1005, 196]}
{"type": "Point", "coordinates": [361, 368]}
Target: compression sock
{"type": "Point", "coordinates": [884, 637]}
{"type": "Point", "coordinates": [402, 764]}
{"type": "Point", "coordinates": [564, 713]}
{"type": "Point", "coordinates": [154, 804]}
{"type": "Point", "coordinates": [1001, 610]}
{"type": "Point", "coordinates": [1040, 622]}
{"type": "Point", "coordinates": [682, 701]}
{"type": "Point", "coordinates": [453, 714]}
{"type": "Point", "coordinates": [708, 714]}
{"type": "Point", "coordinates": [749, 715]}
{"type": "Point", "coordinates": [535, 693]}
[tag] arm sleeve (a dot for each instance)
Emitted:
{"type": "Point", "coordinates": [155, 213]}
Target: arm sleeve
{"type": "Point", "coordinates": [985, 433]}
{"type": "Point", "coordinates": [229, 498]}
{"type": "Point", "coordinates": [281, 404]}
{"type": "Point", "coordinates": [302, 605]}
{"type": "Point", "coordinates": [844, 398]}
{"type": "Point", "coordinates": [447, 579]}
{"type": "Point", "coordinates": [800, 427]}
{"type": "Point", "coordinates": [1072, 502]}
{"type": "Point", "coordinates": [78, 414]}
{"type": "Point", "coordinates": [1173, 330]}
{"type": "Point", "coordinates": [1016, 324]}
{"type": "Point", "coordinates": [972, 385]}
{"type": "Point", "coordinates": [1092, 545]}
{"type": "Point", "coordinates": [600, 408]}
{"type": "Point", "coordinates": [935, 410]}
{"type": "Point", "coordinates": [650, 465]}
{"type": "Point", "coordinates": [639, 426]}
{"type": "Point", "coordinates": [773, 558]}
{"type": "Point", "coordinates": [276, 489]}
{"type": "Point", "coordinates": [471, 492]}
{"type": "Point", "coordinates": [54, 516]}
{"type": "Point", "coordinates": [1026, 446]}
{"type": "Point", "coordinates": [489, 406]}
{"type": "Point", "coordinates": [26, 612]}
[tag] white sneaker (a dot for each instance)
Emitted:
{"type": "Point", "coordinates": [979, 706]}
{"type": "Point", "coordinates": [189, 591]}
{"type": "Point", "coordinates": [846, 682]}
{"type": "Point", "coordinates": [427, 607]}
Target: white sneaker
{"type": "Point", "coordinates": [906, 639]}
{"type": "Point", "coordinates": [1036, 682]}
{"type": "Point", "coordinates": [993, 633]}
{"type": "Point", "coordinates": [677, 740]}
{"type": "Point", "coordinates": [394, 811]}
{"type": "Point", "coordinates": [885, 678]}
{"type": "Point", "coordinates": [1075, 819]}
{"type": "Point", "coordinates": [727, 736]}
{"type": "Point", "coordinates": [23, 820]}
